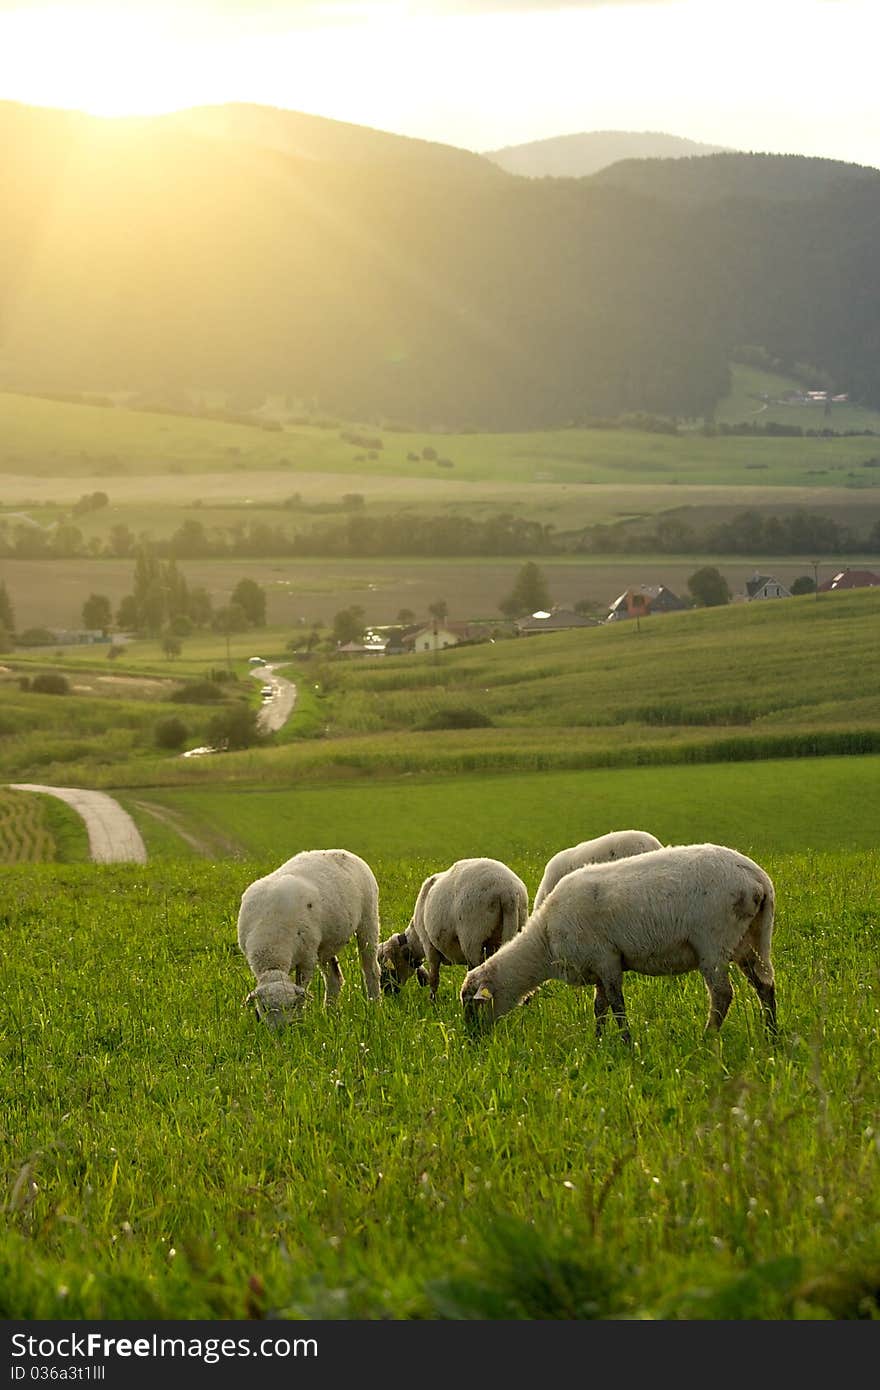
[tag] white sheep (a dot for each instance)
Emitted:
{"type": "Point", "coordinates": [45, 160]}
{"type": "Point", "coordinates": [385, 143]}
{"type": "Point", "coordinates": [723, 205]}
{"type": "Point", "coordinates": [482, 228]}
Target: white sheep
{"type": "Point", "coordinates": [618, 844]}
{"type": "Point", "coordinates": [462, 914]}
{"type": "Point", "coordinates": [296, 919]}
{"type": "Point", "coordinates": [665, 912]}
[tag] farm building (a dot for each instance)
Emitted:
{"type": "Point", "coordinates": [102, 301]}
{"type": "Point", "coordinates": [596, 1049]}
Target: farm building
{"type": "Point", "coordinates": [437, 635]}
{"type": "Point", "coordinates": [557, 620]}
{"type": "Point", "coordinates": [643, 600]}
{"type": "Point", "coordinates": [765, 586]}
{"type": "Point", "coordinates": [850, 579]}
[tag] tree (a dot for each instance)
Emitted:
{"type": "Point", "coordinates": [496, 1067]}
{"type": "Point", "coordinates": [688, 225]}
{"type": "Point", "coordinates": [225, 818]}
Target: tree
{"type": "Point", "coordinates": [709, 587]}
{"type": "Point", "coordinates": [7, 617]}
{"type": "Point", "coordinates": [97, 613]}
{"type": "Point", "coordinates": [230, 619]}
{"type": "Point", "coordinates": [439, 609]}
{"type": "Point", "coordinates": [171, 732]}
{"type": "Point", "coordinates": [171, 645]}
{"type": "Point", "coordinates": [348, 625]}
{"type": "Point", "coordinates": [804, 584]}
{"type": "Point", "coordinates": [235, 727]}
{"type": "Point", "coordinates": [252, 598]}
{"type": "Point", "coordinates": [529, 593]}
{"type": "Point", "coordinates": [406, 616]}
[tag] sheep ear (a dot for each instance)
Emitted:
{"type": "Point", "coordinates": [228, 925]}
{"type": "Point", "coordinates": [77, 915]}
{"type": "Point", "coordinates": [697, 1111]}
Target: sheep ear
{"type": "Point", "coordinates": [484, 992]}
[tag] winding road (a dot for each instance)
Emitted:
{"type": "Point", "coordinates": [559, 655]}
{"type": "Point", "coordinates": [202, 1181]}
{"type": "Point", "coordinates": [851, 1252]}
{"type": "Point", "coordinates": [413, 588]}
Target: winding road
{"type": "Point", "coordinates": [113, 836]}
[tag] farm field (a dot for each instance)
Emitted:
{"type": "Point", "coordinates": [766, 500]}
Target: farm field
{"type": "Point", "coordinates": [378, 1162]}
{"type": "Point", "coordinates": [302, 592]}
{"type": "Point", "coordinates": [783, 679]}
{"type": "Point", "coordinates": [748, 384]}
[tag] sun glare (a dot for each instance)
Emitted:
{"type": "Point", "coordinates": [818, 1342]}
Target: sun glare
{"type": "Point", "coordinates": [107, 61]}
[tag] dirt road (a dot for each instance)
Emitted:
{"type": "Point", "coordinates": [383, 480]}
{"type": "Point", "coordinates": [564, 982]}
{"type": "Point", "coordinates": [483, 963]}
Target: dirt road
{"type": "Point", "coordinates": [279, 705]}
{"type": "Point", "coordinates": [113, 836]}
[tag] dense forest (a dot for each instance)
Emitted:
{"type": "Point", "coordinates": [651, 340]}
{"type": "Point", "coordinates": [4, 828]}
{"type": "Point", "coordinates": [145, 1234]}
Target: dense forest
{"type": "Point", "coordinates": [436, 289]}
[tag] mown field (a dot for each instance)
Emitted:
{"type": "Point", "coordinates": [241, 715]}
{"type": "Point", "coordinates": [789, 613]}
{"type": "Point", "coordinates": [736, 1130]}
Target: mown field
{"type": "Point", "coordinates": [166, 1157]}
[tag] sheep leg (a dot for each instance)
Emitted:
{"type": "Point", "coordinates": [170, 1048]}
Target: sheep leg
{"type": "Point", "coordinates": [433, 959]}
{"type": "Point", "coordinates": [600, 1009]}
{"type": "Point", "coordinates": [613, 991]}
{"type": "Point", "coordinates": [304, 973]}
{"type": "Point", "coordinates": [756, 973]}
{"type": "Point", "coordinates": [367, 945]}
{"type": "Point", "coordinates": [333, 980]}
{"type": "Point", "coordinates": [720, 994]}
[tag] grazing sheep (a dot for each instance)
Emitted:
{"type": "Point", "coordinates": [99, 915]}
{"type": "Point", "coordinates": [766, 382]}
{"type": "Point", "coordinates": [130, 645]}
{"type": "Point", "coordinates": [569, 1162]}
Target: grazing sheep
{"type": "Point", "coordinates": [665, 912]}
{"type": "Point", "coordinates": [297, 918]}
{"type": "Point", "coordinates": [619, 844]}
{"type": "Point", "coordinates": [461, 916]}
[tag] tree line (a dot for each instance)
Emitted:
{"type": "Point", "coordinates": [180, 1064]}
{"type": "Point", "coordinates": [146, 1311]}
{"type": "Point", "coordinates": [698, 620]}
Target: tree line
{"type": "Point", "coordinates": [362, 536]}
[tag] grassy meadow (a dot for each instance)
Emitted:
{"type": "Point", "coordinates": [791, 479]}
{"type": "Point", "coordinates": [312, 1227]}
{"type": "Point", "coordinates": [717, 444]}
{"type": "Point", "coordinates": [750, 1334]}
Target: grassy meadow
{"type": "Point", "coordinates": [166, 1157]}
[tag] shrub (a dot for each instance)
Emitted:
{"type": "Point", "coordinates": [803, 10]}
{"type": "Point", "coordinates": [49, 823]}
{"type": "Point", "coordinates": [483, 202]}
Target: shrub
{"type": "Point", "coordinates": [50, 683]}
{"type": "Point", "coordinates": [196, 693]}
{"type": "Point", "coordinates": [235, 727]}
{"type": "Point", "coordinates": [171, 732]}
{"type": "Point", "coordinates": [459, 717]}
{"type": "Point", "coordinates": [35, 637]}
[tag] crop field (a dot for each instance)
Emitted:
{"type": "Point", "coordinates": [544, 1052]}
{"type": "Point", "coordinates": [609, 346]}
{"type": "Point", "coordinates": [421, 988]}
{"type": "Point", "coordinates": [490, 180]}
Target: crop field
{"type": "Point", "coordinates": [37, 829]}
{"type": "Point", "coordinates": [167, 1157]}
{"type": "Point", "coordinates": [784, 680]}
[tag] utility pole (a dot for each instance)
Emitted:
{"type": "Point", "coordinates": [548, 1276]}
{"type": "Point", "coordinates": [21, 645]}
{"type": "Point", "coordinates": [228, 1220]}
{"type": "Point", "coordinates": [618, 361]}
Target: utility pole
{"type": "Point", "coordinates": [815, 564]}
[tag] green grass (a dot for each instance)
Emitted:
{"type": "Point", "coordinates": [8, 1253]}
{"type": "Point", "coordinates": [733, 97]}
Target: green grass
{"type": "Point", "coordinates": [55, 440]}
{"type": "Point", "coordinates": [166, 1157]}
{"type": "Point", "coordinates": [766, 806]}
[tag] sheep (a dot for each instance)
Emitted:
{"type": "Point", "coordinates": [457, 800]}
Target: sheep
{"type": "Point", "coordinates": [619, 844]}
{"type": "Point", "coordinates": [296, 918]}
{"type": "Point", "coordinates": [461, 915]}
{"type": "Point", "coordinates": [665, 912]}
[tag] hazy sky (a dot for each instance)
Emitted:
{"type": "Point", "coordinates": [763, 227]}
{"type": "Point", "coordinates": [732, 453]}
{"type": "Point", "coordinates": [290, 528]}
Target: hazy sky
{"type": "Point", "coordinates": [778, 75]}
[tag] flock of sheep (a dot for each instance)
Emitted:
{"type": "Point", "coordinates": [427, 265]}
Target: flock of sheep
{"type": "Point", "coordinates": [620, 902]}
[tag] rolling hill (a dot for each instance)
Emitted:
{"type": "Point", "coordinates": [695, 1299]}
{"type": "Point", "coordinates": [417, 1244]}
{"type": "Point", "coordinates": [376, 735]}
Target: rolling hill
{"type": "Point", "coordinates": [575, 156]}
{"type": "Point", "coordinates": [385, 279]}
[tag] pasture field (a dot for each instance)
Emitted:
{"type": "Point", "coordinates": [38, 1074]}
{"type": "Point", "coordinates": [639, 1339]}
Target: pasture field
{"type": "Point", "coordinates": [759, 807]}
{"type": "Point", "coordinates": [45, 439]}
{"type": "Point", "coordinates": [165, 1157]}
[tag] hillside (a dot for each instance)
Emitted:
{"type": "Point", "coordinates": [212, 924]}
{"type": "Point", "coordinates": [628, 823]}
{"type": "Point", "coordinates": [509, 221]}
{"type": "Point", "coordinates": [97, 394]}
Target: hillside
{"type": "Point", "coordinates": [575, 156]}
{"type": "Point", "coordinates": [428, 289]}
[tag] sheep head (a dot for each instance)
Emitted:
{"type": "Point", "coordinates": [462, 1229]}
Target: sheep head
{"type": "Point", "coordinates": [276, 999]}
{"type": "Point", "coordinates": [478, 1002]}
{"type": "Point", "coordinates": [397, 961]}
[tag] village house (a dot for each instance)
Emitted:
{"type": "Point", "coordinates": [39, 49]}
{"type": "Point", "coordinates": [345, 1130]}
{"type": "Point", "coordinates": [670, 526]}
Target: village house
{"type": "Point", "coordinates": [850, 579]}
{"type": "Point", "coordinates": [557, 620]}
{"type": "Point", "coordinates": [642, 600]}
{"type": "Point", "coordinates": [437, 635]}
{"type": "Point", "coordinates": [765, 586]}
